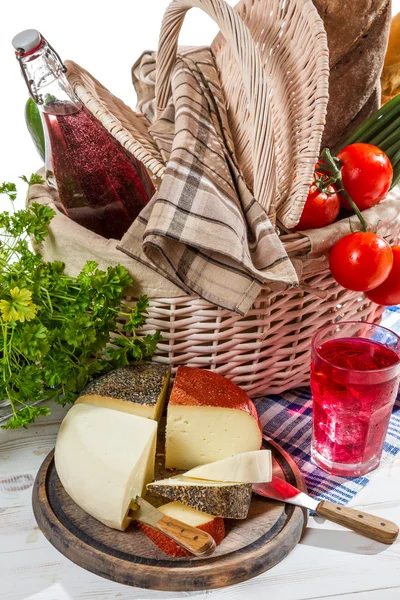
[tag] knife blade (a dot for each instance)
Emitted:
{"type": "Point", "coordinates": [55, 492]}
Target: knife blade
{"type": "Point", "coordinates": [282, 490]}
{"type": "Point", "coordinates": [194, 540]}
{"type": "Point", "coordinates": [368, 525]}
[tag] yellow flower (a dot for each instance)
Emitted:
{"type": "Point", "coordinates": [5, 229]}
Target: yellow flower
{"type": "Point", "coordinates": [20, 308]}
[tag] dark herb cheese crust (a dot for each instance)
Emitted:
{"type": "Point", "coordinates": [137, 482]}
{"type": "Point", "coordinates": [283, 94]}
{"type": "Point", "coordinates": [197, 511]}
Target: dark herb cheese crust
{"type": "Point", "coordinates": [140, 383]}
{"type": "Point", "coordinates": [231, 501]}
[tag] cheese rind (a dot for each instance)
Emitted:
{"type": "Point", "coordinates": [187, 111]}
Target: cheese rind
{"type": "Point", "coordinates": [138, 389]}
{"type": "Point", "coordinates": [220, 499]}
{"type": "Point", "coordinates": [248, 467]}
{"type": "Point", "coordinates": [203, 521]}
{"type": "Point", "coordinates": [201, 387]}
{"type": "Point", "coordinates": [104, 459]}
{"type": "Point", "coordinates": [209, 418]}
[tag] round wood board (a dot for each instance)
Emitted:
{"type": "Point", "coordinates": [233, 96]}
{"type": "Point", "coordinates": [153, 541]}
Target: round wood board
{"type": "Point", "coordinates": [251, 546]}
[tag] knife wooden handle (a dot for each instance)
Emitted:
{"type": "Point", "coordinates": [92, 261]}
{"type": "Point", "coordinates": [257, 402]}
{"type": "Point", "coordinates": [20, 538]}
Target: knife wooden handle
{"type": "Point", "coordinates": [196, 541]}
{"type": "Point", "coordinates": [367, 525]}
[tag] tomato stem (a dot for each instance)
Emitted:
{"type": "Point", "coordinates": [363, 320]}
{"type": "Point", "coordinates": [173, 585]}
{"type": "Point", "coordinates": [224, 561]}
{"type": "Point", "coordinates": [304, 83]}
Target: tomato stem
{"type": "Point", "coordinates": [330, 165]}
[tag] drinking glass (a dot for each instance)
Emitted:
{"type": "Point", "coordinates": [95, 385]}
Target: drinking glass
{"type": "Point", "coordinates": [355, 369]}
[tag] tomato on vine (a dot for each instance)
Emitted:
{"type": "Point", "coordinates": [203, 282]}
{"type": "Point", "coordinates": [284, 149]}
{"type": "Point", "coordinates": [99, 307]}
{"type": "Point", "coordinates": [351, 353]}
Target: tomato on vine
{"type": "Point", "coordinates": [361, 261]}
{"type": "Point", "coordinates": [367, 174]}
{"type": "Point", "coordinates": [321, 208]}
{"type": "Point", "coordinates": [388, 293]}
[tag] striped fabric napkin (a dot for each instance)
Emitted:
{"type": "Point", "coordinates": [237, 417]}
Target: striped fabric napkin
{"type": "Point", "coordinates": [286, 419]}
{"type": "Point", "coordinates": [203, 229]}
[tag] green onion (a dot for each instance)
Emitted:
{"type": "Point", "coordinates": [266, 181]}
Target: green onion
{"type": "Point", "coordinates": [385, 137]}
{"type": "Point", "coordinates": [382, 129]}
{"type": "Point", "coordinates": [375, 125]}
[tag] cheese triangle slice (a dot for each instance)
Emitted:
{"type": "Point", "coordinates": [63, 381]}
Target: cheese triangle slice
{"type": "Point", "coordinates": [104, 459]}
{"type": "Point", "coordinates": [139, 389]}
{"type": "Point", "coordinates": [218, 498]}
{"type": "Point", "coordinates": [248, 467]}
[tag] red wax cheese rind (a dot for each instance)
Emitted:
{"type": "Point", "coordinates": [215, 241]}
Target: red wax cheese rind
{"type": "Point", "coordinates": [199, 387]}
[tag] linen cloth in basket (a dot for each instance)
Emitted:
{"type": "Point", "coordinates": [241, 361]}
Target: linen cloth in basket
{"type": "Point", "coordinates": [203, 229]}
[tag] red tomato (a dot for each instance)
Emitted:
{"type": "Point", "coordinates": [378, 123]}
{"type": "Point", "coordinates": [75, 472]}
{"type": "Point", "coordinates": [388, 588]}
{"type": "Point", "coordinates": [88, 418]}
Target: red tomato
{"type": "Point", "coordinates": [366, 173]}
{"type": "Point", "coordinates": [361, 261]}
{"type": "Point", "coordinates": [320, 209]}
{"type": "Point", "coordinates": [388, 293]}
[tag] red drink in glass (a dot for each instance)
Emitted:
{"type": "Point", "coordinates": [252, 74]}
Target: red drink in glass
{"type": "Point", "coordinates": [355, 371]}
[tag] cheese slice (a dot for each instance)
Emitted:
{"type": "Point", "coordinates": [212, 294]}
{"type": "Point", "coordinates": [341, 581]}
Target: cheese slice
{"type": "Point", "coordinates": [209, 418]}
{"type": "Point", "coordinates": [138, 389]}
{"type": "Point", "coordinates": [221, 499]}
{"type": "Point", "coordinates": [212, 525]}
{"type": "Point", "coordinates": [186, 514]}
{"type": "Point", "coordinates": [248, 467]}
{"type": "Point", "coordinates": [104, 459]}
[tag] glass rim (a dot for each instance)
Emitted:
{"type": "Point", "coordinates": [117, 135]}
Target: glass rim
{"type": "Point", "coordinates": [321, 329]}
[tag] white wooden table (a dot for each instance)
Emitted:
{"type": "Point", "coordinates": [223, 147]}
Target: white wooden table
{"type": "Point", "coordinates": [329, 562]}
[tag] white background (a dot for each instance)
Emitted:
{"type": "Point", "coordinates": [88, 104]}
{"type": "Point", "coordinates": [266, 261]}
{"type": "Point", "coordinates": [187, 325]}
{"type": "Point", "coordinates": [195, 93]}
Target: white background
{"type": "Point", "coordinates": [103, 37]}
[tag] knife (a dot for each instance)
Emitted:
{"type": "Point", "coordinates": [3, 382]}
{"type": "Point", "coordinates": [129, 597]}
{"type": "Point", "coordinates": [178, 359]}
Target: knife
{"type": "Point", "coordinates": [194, 540]}
{"type": "Point", "coordinates": [363, 523]}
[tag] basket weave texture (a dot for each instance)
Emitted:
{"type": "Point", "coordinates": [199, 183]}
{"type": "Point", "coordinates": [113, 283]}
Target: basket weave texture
{"type": "Point", "coordinates": [277, 131]}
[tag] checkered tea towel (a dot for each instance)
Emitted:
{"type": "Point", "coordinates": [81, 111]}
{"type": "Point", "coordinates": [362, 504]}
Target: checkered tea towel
{"type": "Point", "coordinates": [286, 419]}
{"type": "Point", "coordinates": [203, 229]}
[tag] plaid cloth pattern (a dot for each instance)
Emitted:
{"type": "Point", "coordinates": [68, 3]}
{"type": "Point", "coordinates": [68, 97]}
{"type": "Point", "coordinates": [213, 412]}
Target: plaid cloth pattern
{"type": "Point", "coordinates": [203, 229]}
{"type": "Point", "coordinates": [287, 419]}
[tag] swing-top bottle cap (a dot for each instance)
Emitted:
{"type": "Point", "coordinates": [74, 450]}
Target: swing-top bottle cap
{"type": "Point", "coordinates": [27, 40]}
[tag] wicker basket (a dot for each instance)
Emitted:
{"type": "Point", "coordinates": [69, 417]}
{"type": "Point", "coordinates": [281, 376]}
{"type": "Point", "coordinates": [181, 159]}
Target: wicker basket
{"type": "Point", "coordinates": [266, 351]}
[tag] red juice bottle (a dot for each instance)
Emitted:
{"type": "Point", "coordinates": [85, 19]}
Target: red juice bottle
{"type": "Point", "coordinates": [99, 184]}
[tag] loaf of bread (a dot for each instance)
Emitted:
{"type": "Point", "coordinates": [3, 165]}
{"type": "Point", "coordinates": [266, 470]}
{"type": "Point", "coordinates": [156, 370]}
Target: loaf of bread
{"type": "Point", "coordinates": [390, 80]}
{"type": "Point", "coordinates": [357, 38]}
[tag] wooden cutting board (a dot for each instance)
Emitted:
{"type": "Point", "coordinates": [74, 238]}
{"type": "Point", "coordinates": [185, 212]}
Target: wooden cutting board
{"type": "Point", "coordinates": [251, 546]}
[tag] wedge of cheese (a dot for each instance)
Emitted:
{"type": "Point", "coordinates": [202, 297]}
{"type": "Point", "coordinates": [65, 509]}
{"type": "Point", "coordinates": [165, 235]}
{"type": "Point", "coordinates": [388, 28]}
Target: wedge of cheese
{"type": "Point", "coordinates": [212, 525]}
{"type": "Point", "coordinates": [139, 389]}
{"type": "Point", "coordinates": [209, 418]}
{"type": "Point", "coordinates": [220, 499]}
{"type": "Point", "coordinates": [104, 459]}
{"type": "Point", "coordinates": [248, 467]}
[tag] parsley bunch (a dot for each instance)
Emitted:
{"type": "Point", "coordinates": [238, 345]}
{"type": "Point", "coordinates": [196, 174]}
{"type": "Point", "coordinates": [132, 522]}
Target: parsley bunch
{"type": "Point", "coordinates": [56, 331]}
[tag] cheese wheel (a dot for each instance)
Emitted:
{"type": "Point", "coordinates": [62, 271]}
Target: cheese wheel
{"type": "Point", "coordinates": [104, 459]}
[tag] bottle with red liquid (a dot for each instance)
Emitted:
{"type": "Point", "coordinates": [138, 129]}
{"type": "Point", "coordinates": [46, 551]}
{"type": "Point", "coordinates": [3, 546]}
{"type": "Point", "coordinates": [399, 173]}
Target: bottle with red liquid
{"type": "Point", "coordinates": [99, 184]}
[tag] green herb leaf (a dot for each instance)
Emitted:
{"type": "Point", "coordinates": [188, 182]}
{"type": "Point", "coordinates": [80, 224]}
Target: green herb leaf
{"type": "Point", "coordinates": [20, 307]}
{"type": "Point", "coordinates": [10, 189]}
{"type": "Point", "coordinates": [55, 330]}
{"type": "Point", "coordinates": [26, 416]}
{"type": "Point", "coordinates": [138, 315]}
{"type": "Point", "coordinates": [33, 179]}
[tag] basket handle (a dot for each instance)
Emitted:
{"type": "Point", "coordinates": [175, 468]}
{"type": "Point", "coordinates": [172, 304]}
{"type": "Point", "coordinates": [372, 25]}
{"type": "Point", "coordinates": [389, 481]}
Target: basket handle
{"type": "Point", "coordinates": [256, 87]}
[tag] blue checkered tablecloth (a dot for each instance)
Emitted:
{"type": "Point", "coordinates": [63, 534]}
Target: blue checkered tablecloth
{"type": "Point", "coordinates": [286, 418]}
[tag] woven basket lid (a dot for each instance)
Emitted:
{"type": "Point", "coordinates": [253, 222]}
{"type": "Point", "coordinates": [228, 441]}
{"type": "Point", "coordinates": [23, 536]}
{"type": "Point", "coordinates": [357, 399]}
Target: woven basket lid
{"type": "Point", "coordinates": [292, 43]}
{"type": "Point", "coordinates": [128, 127]}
